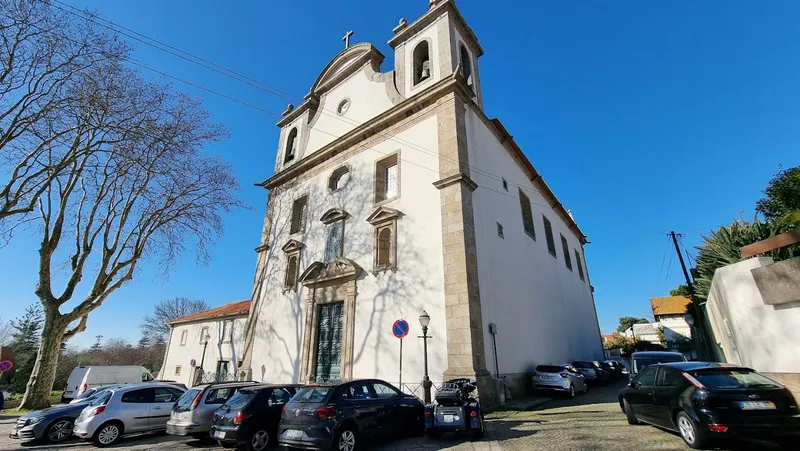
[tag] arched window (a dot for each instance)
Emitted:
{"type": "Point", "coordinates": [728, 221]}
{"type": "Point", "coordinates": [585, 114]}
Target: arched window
{"type": "Point", "coordinates": [338, 178]}
{"type": "Point", "coordinates": [384, 247]}
{"type": "Point", "coordinates": [422, 62]}
{"type": "Point", "coordinates": [466, 65]}
{"type": "Point", "coordinates": [291, 271]}
{"type": "Point", "coordinates": [291, 146]}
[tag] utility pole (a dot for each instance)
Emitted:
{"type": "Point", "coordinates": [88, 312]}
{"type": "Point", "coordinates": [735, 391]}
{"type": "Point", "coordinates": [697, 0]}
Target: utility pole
{"type": "Point", "coordinates": [697, 312]}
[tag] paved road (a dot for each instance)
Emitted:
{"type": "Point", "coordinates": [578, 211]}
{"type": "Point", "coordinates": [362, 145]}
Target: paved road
{"type": "Point", "coordinates": [589, 422]}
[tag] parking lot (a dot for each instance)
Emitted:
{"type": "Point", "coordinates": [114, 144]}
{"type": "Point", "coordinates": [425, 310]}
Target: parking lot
{"type": "Point", "coordinates": [589, 422]}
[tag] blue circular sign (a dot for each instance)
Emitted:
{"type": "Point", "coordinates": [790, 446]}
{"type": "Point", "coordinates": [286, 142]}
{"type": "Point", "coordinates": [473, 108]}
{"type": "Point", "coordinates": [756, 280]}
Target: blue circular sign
{"type": "Point", "coordinates": [192, 362]}
{"type": "Point", "coordinates": [5, 365]}
{"type": "Point", "coordinates": [400, 328]}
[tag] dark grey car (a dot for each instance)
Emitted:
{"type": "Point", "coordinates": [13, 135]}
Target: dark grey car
{"type": "Point", "coordinates": [194, 411]}
{"type": "Point", "coordinates": [53, 424]}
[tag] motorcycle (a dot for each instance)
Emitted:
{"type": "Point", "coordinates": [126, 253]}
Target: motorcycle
{"type": "Point", "coordinates": [455, 409]}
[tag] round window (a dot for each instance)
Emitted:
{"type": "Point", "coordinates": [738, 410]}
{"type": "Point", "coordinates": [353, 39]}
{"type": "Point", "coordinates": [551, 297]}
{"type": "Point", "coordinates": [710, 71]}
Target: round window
{"type": "Point", "coordinates": [344, 105]}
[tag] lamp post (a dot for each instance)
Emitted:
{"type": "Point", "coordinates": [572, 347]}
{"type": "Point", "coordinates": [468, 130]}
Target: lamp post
{"type": "Point", "coordinates": [690, 322]}
{"type": "Point", "coordinates": [206, 339]}
{"type": "Point", "coordinates": [424, 321]}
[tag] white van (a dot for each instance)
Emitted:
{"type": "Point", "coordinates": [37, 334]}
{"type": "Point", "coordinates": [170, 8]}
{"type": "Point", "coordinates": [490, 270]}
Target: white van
{"type": "Point", "coordinates": [84, 377]}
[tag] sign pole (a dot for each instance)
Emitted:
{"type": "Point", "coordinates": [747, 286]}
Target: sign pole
{"type": "Point", "coordinates": [401, 365]}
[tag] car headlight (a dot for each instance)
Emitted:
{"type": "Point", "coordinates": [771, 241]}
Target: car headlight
{"type": "Point", "coordinates": [34, 420]}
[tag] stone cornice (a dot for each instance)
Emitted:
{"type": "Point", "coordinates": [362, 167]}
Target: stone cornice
{"type": "Point", "coordinates": [456, 178]}
{"type": "Point", "coordinates": [445, 6]}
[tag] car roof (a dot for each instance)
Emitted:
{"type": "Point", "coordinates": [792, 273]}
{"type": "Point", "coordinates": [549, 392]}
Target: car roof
{"type": "Point", "coordinates": [693, 366]}
{"type": "Point", "coordinates": [338, 382]}
{"type": "Point", "coordinates": [258, 387]}
{"type": "Point", "coordinates": [657, 354]}
{"type": "Point", "coordinates": [226, 384]}
{"type": "Point", "coordinates": [127, 387]}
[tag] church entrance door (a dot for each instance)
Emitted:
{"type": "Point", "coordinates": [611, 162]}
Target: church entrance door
{"type": "Point", "coordinates": [329, 341]}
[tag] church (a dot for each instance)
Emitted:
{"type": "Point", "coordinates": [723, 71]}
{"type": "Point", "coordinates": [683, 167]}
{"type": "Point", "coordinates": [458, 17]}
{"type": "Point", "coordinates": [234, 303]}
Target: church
{"type": "Point", "coordinates": [395, 194]}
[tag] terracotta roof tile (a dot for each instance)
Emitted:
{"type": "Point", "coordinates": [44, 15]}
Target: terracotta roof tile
{"type": "Point", "coordinates": [232, 309]}
{"type": "Point", "coordinates": [670, 305]}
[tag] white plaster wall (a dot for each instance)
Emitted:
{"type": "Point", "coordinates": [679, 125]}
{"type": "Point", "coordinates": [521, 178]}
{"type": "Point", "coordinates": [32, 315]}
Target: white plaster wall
{"type": "Point", "coordinates": [430, 34]}
{"type": "Point", "coordinates": [217, 349]}
{"type": "Point", "coordinates": [763, 337]}
{"type": "Point", "coordinates": [543, 311]}
{"type": "Point", "coordinates": [417, 285]}
{"type": "Point", "coordinates": [367, 99]}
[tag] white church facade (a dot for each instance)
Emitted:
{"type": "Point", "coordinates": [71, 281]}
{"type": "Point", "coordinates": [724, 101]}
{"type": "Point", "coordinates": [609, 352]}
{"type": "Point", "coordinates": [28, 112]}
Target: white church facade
{"type": "Point", "coordinates": [394, 194]}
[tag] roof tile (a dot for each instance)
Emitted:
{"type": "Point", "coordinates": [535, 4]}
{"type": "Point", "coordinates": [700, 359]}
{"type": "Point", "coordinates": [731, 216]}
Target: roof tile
{"type": "Point", "coordinates": [232, 309]}
{"type": "Point", "coordinates": [670, 305]}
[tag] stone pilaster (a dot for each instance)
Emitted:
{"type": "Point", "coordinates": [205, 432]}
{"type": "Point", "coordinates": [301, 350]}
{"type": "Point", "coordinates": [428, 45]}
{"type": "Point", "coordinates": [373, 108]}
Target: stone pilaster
{"type": "Point", "coordinates": [465, 341]}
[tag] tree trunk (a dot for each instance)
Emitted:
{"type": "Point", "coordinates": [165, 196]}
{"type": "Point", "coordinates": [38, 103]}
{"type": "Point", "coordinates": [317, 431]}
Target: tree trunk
{"type": "Point", "coordinates": [37, 393]}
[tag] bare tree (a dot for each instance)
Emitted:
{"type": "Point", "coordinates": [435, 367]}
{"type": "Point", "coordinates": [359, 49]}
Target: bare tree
{"type": "Point", "coordinates": [157, 324]}
{"type": "Point", "coordinates": [43, 56]}
{"type": "Point", "coordinates": [6, 331]}
{"type": "Point", "coordinates": [136, 186]}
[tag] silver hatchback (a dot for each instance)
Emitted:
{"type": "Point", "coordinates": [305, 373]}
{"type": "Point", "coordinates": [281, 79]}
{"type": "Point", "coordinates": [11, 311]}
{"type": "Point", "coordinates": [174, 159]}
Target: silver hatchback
{"type": "Point", "coordinates": [561, 378]}
{"type": "Point", "coordinates": [194, 411]}
{"type": "Point", "coordinates": [130, 409]}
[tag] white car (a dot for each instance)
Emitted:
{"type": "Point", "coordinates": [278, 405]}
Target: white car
{"type": "Point", "coordinates": [126, 410]}
{"type": "Point", "coordinates": [561, 378]}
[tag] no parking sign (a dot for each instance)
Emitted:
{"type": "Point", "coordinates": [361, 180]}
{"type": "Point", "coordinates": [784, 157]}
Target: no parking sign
{"type": "Point", "coordinates": [400, 330]}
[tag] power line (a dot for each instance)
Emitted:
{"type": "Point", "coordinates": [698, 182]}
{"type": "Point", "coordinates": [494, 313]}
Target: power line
{"type": "Point", "coordinates": [172, 50]}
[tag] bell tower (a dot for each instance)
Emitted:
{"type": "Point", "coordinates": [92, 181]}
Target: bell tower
{"type": "Point", "coordinates": [433, 47]}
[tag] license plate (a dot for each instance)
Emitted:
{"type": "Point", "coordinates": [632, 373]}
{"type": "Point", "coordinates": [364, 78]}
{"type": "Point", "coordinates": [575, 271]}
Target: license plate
{"type": "Point", "coordinates": [294, 434]}
{"type": "Point", "coordinates": [545, 377]}
{"type": "Point", "coordinates": [450, 418]}
{"type": "Point", "coordinates": [757, 405]}
{"type": "Point", "coordinates": [219, 434]}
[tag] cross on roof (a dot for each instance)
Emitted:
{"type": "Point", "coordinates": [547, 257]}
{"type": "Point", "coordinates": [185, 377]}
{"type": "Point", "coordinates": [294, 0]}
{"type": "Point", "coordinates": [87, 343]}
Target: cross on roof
{"type": "Point", "coordinates": [346, 39]}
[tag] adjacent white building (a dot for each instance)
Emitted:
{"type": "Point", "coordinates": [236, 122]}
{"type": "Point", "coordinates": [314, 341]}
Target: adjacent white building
{"type": "Point", "coordinates": [211, 340]}
{"type": "Point", "coordinates": [393, 194]}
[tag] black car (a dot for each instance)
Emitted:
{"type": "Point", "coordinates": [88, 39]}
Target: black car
{"type": "Point", "coordinates": [250, 418]}
{"type": "Point", "coordinates": [340, 415]}
{"type": "Point", "coordinates": [704, 402]}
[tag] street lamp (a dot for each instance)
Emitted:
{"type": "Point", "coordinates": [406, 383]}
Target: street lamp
{"type": "Point", "coordinates": [695, 336]}
{"type": "Point", "coordinates": [424, 321]}
{"type": "Point", "coordinates": [206, 339]}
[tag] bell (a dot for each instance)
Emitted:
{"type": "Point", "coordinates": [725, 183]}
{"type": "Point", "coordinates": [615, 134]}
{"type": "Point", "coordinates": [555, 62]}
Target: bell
{"type": "Point", "coordinates": [426, 70]}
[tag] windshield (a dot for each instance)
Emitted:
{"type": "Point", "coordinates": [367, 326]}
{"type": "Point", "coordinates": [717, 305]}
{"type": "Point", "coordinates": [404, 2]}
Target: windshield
{"type": "Point", "coordinates": [582, 365]}
{"type": "Point", "coordinates": [311, 394]}
{"type": "Point", "coordinates": [102, 399]}
{"type": "Point", "coordinates": [640, 363]}
{"type": "Point", "coordinates": [734, 379]}
{"type": "Point", "coordinates": [184, 403]}
{"type": "Point", "coordinates": [549, 369]}
{"type": "Point", "coordinates": [240, 400]}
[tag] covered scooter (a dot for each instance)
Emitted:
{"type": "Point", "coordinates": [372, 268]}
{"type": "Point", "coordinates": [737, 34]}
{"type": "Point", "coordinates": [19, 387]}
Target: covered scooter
{"type": "Point", "coordinates": [455, 409]}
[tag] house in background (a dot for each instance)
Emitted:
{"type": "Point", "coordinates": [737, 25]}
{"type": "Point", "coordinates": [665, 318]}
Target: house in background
{"type": "Point", "coordinates": [206, 346]}
{"type": "Point", "coordinates": [669, 313]}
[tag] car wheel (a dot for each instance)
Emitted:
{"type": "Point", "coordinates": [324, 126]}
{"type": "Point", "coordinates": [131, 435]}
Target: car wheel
{"type": "Point", "coordinates": [629, 412]}
{"type": "Point", "coordinates": [345, 440]}
{"type": "Point", "coordinates": [690, 433]}
{"type": "Point", "coordinates": [258, 441]}
{"type": "Point", "coordinates": [59, 430]}
{"type": "Point", "coordinates": [107, 434]}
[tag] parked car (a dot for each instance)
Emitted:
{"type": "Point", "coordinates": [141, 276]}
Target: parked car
{"type": "Point", "coordinates": [590, 372]}
{"type": "Point", "coordinates": [194, 411]}
{"type": "Point", "coordinates": [561, 378]}
{"type": "Point", "coordinates": [641, 360]}
{"type": "Point", "coordinates": [705, 402]}
{"type": "Point", "coordinates": [342, 415]}
{"type": "Point", "coordinates": [53, 424]}
{"type": "Point", "coordinates": [83, 378]}
{"type": "Point", "coordinates": [613, 372]}
{"type": "Point", "coordinates": [126, 410]}
{"type": "Point", "coordinates": [250, 417]}
{"type": "Point", "coordinates": [620, 364]}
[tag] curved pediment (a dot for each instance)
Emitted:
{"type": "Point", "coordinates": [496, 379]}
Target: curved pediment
{"type": "Point", "coordinates": [349, 61]}
{"type": "Point", "coordinates": [341, 268]}
{"type": "Point", "coordinates": [333, 215]}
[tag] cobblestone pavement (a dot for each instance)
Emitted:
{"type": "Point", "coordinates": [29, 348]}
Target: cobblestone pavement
{"type": "Point", "coordinates": [589, 422]}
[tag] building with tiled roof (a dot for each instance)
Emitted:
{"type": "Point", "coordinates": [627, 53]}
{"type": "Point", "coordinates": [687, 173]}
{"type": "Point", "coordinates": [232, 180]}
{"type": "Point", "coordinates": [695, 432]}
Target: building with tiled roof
{"type": "Point", "coordinates": [669, 307]}
{"type": "Point", "coordinates": [206, 346]}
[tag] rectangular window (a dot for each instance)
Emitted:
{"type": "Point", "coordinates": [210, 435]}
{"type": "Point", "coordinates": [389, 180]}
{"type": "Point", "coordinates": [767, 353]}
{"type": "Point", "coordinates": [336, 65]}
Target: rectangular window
{"type": "Point", "coordinates": [579, 264]}
{"type": "Point", "coordinates": [203, 334]}
{"type": "Point", "coordinates": [548, 231]}
{"type": "Point", "coordinates": [387, 179]}
{"type": "Point", "coordinates": [500, 230]}
{"type": "Point", "coordinates": [178, 370]}
{"type": "Point", "coordinates": [222, 367]}
{"type": "Point", "coordinates": [299, 215]}
{"type": "Point", "coordinates": [505, 184]}
{"type": "Point", "coordinates": [184, 335]}
{"type": "Point", "coordinates": [333, 245]}
{"type": "Point", "coordinates": [527, 215]}
{"type": "Point", "coordinates": [565, 249]}
{"type": "Point", "coordinates": [227, 330]}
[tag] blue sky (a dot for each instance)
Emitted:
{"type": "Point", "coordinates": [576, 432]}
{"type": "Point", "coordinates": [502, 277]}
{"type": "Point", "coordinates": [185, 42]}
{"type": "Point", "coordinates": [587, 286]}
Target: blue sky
{"type": "Point", "coordinates": [644, 117]}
